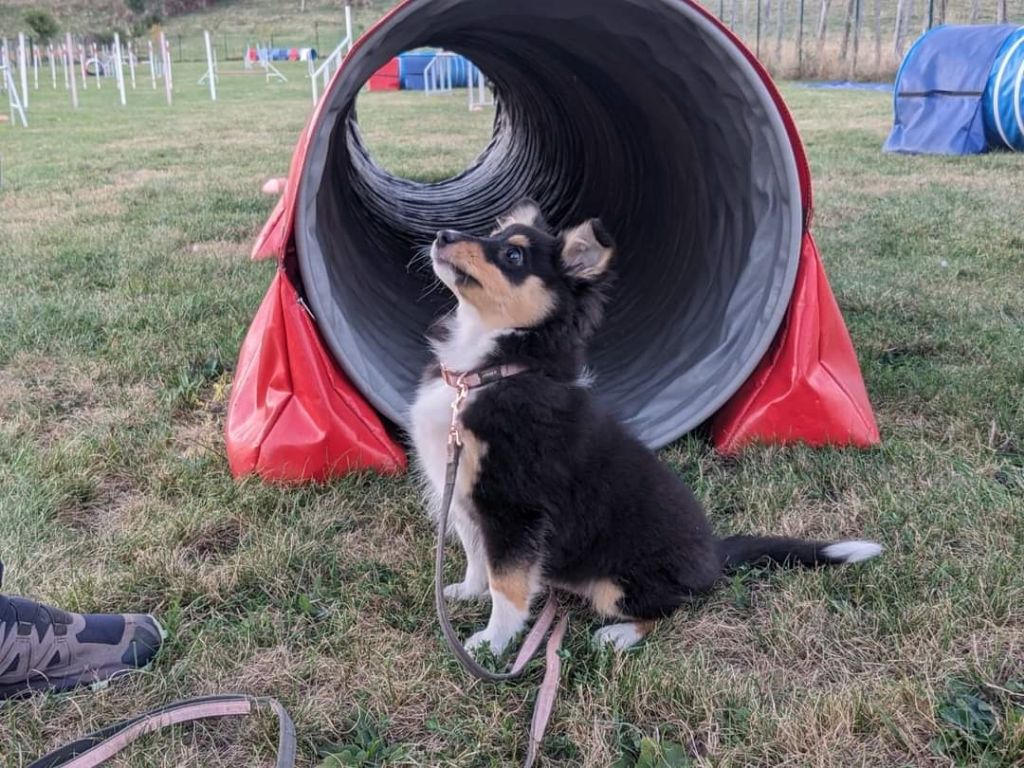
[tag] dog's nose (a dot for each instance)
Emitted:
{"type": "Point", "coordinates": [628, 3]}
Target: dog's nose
{"type": "Point", "coordinates": [447, 236]}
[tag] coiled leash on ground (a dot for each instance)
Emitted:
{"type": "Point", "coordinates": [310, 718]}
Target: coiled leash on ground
{"type": "Point", "coordinates": [463, 383]}
{"type": "Point", "coordinates": [98, 747]}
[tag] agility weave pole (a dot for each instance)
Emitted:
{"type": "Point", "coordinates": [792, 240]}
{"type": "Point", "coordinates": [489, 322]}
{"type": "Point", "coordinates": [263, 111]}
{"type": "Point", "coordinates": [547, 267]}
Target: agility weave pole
{"type": "Point", "coordinates": [721, 314]}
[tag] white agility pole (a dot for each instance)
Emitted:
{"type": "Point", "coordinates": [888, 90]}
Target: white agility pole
{"type": "Point", "coordinates": [23, 69]}
{"type": "Point", "coordinates": [131, 62]}
{"type": "Point", "coordinates": [71, 66]}
{"type": "Point", "coordinates": [81, 62]}
{"type": "Point", "coordinates": [99, 71]}
{"type": "Point", "coordinates": [53, 65]}
{"type": "Point", "coordinates": [211, 70]}
{"type": "Point", "coordinates": [165, 53]}
{"type": "Point", "coordinates": [35, 66]}
{"type": "Point", "coordinates": [119, 68]}
{"type": "Point", "coordinates": [348, 25]}
{"type": "Point", "coordinates": [17, 110]}
{"type": "Point", "coordinates": [64, 61]}
{"type": "Point", "coordinates": [152, 70]}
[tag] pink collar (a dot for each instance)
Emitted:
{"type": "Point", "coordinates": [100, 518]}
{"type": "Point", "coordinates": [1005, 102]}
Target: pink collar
{"type": "Point", "coordinates": [480, 377]}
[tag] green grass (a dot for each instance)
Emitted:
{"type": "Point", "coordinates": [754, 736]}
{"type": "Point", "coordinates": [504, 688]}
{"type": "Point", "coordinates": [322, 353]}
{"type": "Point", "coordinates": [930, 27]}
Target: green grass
{"type": "Point", "coordinates": [127, 291]}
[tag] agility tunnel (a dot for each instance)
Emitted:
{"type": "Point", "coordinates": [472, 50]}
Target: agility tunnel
{"type": "Point", "coordinates": [960, 91]}
{"type": "Point", "coordinates": [647, 113]}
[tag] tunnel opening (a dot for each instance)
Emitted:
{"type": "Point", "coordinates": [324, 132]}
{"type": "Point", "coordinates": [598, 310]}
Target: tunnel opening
{"type": "Point", "coordinates": [640, 112]}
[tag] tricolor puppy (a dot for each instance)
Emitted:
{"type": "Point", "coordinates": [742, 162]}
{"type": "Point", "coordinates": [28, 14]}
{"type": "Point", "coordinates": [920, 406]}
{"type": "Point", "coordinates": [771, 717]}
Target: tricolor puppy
{"type": "Point", "coordinates": [551, 489]}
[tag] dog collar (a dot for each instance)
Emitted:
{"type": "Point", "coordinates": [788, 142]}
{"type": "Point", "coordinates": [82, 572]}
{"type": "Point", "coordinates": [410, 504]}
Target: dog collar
{"type": "Point", "coordinates": [480, 377]}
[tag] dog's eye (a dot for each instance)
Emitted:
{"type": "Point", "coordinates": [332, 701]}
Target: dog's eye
{"type": "Point", "coordinates": [514, 256]}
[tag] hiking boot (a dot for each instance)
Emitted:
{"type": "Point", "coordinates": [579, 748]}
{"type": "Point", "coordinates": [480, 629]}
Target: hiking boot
{"type": "Point", "coordinates": [46, 649]}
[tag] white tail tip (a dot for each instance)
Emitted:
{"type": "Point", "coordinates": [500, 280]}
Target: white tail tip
{"type": "Point", "coordinates": [852, 551]}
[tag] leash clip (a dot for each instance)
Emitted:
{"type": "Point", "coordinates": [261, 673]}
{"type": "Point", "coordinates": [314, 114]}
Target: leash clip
{"type": "Point", "coordinates": [458, 381]}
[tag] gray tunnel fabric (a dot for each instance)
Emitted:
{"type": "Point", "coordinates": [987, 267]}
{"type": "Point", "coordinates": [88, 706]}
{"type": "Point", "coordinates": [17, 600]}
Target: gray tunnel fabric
{"type": "Point", "coordinates": [638, 111]}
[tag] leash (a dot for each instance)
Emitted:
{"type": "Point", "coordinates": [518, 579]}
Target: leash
{"type": "Point", "coordinates": [98, 747]}
{"type": "Point", "coordinates": [463, 383]}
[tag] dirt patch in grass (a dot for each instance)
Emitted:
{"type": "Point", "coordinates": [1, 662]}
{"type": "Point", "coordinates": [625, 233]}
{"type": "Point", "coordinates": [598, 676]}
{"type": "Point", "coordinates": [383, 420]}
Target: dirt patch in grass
{"type": "Point", "coordinates": [200, 434]}
{"type": "Point", "coordinates": [59, 396]}
{"type": "Point", "coordinates": [235, 252]}
{"type": "Point", "coordinates": [102, 505]}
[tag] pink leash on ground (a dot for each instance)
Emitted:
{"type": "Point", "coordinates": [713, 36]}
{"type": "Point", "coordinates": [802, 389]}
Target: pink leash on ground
{"type": "Point", "coordinates": [549, 685]}
{"type": "Point", "coordinates": [96, 748]}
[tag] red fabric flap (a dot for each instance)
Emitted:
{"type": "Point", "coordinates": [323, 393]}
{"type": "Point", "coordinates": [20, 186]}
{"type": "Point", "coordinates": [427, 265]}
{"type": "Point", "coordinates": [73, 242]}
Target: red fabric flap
{"type": "Point", "coordinates": [293, 415]}
{"type": "Point", "coordinates": [808, 388]}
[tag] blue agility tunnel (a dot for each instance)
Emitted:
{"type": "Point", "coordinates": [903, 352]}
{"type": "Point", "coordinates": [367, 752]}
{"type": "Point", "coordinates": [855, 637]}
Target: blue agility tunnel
{"type": "Point", "coordinates": [959, 92]}
{"type": "Point", "coordinates": [412, 69]}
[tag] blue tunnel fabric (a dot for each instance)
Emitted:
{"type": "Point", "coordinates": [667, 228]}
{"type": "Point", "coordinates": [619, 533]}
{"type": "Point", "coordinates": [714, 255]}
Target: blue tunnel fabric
{"type": "Point", "coordinates": [942, 89]}
{"type": "Point", "coordinates": [1003, 102]}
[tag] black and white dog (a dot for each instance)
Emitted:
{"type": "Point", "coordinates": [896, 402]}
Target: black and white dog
{"type": "Point", "coordinates": [551, 489]}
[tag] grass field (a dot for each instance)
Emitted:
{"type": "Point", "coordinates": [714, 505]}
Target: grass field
{"type": "Point", "coordinates": [126, 294]}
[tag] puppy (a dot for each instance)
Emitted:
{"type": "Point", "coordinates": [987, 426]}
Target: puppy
{"type": "Point", "coordinates": [551, 489]}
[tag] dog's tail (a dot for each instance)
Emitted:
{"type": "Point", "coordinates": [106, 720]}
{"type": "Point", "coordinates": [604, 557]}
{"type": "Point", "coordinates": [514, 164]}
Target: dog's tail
{"type": "Point", "coordinates": [737, 550]}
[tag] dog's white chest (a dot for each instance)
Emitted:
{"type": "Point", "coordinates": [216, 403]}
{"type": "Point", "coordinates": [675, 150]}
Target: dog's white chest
{"type": "Point", "coordinates": [431, 413]}
{"type": "Point", "coordinates": [431, 416]}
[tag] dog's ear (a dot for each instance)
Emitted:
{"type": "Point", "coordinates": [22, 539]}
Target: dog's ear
{"type": "Point", "coordinates": [587, 250]}
{"type": "Point", "coordinates": [525, 212]}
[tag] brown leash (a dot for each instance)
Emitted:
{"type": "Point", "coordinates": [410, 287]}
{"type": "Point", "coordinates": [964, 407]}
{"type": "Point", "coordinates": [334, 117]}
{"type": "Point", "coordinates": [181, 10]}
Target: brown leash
{"type": "Point", "coordinates": [96, 748]}
{"type": "Point", "coordinates": [463, 383]}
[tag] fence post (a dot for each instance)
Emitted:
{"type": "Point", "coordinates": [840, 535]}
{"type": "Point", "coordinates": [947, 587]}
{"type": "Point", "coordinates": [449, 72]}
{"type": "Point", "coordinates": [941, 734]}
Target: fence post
{"type": "Point", "coordinates": [931, 13]}
{"type": "Point", "coordinates": [822, 32]}
{"type": "Point", "coordinates": [844, 48]}
{"type": "Point", "coordinates": [897, 30]}
{"type": "Point", "coordinates": [779, 32]}
{"type": "Point", "coordinates": [856, 38]}
{"type": "Point", "coordinates": [800, 42]}
{"type": "Point", "coordinates": [1001, 12]}
{"type": "Point", "coordinates": [878, 35]}
{"type": "Point", "coordinates": [757, 51]}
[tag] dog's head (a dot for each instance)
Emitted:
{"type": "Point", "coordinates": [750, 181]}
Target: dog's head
{"type": "Point", "coordinates": [524, 274]}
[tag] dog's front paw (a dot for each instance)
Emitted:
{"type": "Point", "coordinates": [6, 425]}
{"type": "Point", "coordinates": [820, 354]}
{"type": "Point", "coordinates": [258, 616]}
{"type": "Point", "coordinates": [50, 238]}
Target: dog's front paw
{"type": "Point", "coordinates": [618, 636]}
{"type": "Point", "coordinates": [465, 591]}
{"type": "Point", "coordinates": [483, 637]}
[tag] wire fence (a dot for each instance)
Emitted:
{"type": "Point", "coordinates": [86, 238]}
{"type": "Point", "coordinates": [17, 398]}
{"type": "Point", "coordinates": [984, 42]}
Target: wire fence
{"type": "Point", "coordinates": [817, 39]}
{"type": "Point", "coordinates": [803, 39]}
{"type": "Point", "coordinates": [847, 39]}
{"type": "Point", "coordinates": [232, 46]}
